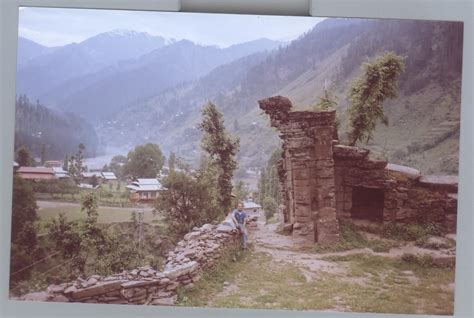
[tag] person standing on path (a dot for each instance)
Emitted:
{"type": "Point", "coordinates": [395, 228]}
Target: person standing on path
{"type": "Point", "coordinates": [240, 220]}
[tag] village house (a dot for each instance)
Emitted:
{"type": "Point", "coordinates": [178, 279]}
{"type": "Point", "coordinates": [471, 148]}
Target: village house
{"type": "Point", "coordinates": [109, 176]}
{"type": "Point", "coordinates": [252, 207]}
{"type": "Point", "coordinates": [53, 164]}
{"type": "Point", "coordinates": [144, 189]}
{"type": "Point", "coordinates": [59, 173]}
{"type": "Point", "coordinates": [36, 173]}
{"type": "Point", "coordinates": [88, 176]}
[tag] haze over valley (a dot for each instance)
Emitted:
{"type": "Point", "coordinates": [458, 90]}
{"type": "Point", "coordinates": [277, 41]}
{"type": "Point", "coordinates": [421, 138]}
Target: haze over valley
{"type": "Point", "coordinates": [131, 87]}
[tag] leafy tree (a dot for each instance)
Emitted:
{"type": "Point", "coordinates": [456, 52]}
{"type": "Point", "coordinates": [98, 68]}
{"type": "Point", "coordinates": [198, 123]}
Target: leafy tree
{"type": "Point", "coordinates": [23, 207]}
{"type": "Point", "coordinates": [65, 236]}
{"type": "Point", "coordinates": [66, 163]}
{"type": "Point", "coordinates": [269, 184]}
{"type": "Point", "coordinates": [23, 158]}
{"type": "Point", "coordinates": [222, 149]}
{"type": "Point", "coordinates": [116, 165]}
{"type": "Point", "coordinates": [325, 103]}
{"type": "Point", "coordinates": [94, 182]}
{"type": "Point", "coordinates": [43, 154]}
{"type": "Point", "coordinates": [186, 202]}
{"type": "Point", "coordinates": [172, 161]}
{"type": "Point", "coordinates": [368, 93]}
{"type": "Point", "coordinates": [145, 161]}
{"type": "Point", "coordinates": [75, 165]}
{"type": "Point", "coordinates": [24, 234]}
{"type": "Point", "coordinates": [240, 192]}
{"type": "Point", "coordinates": [270, 206]}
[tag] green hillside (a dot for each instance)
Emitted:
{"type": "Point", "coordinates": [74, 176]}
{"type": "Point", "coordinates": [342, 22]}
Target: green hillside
{"type": "Point", "coordinates": [424, 119]}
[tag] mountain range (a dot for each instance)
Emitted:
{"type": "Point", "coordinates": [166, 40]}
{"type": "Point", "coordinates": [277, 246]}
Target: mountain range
{"type": "Point", "coordinates": [156, 91]}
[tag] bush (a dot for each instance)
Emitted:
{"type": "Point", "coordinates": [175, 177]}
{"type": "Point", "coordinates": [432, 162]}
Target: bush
{"type": "Point", "coordinates": [425, 261]}
{"type": "Point", "coordinates": [411, 232]}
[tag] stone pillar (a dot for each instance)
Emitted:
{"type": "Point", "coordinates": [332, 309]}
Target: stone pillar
{"type": "Point", "coordinates": [308, 177]}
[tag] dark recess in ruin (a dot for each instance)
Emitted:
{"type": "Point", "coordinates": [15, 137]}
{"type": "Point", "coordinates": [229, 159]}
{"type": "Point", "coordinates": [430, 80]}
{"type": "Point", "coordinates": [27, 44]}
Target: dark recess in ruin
{"type": "Point", "coordinates": [367, 204]}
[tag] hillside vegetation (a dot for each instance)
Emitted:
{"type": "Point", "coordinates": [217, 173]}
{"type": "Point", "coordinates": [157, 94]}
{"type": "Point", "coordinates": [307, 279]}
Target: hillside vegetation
{"type": "Point", "coordinates": [155, 92]}
{"type": "Point", "coordinates": [423, 129]}
{"type": "Point", "coordinates": [41, 129]}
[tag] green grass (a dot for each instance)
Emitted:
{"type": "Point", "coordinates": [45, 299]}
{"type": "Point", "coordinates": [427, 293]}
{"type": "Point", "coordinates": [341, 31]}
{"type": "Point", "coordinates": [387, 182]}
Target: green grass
{"type": "Point", "coordinates": [106, 215]}
{"type": "Point", "coordinates": [351, 237]}
{"type": "Point", "coordinates": [372, 284]}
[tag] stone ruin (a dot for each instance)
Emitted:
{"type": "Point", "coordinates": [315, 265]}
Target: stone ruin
{"type": "Point", "coordinates": [200, 250]}
{"type": "Point", "coordinates": [323, 181]}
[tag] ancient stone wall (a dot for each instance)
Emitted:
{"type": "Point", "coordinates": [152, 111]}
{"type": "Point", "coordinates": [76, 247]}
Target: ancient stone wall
{"type": "Point", "coordinates": [306, 170]}
{"type": "Point", "coordinates": [322, 181]}
{"type": "Point", "coordinates": [198, 251]}
{"type": "Point", "coordinates": [408, 196]}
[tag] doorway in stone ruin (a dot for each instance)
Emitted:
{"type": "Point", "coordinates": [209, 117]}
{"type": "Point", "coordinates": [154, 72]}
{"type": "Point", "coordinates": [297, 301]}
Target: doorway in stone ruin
{"type": "Point", "coordinates": [367, 203]}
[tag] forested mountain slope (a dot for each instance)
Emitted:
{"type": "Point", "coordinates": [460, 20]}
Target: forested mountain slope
{"type": "Point", "coordinates": [37, 128]}
{"type": "Point", "coordinates": [424, 119]}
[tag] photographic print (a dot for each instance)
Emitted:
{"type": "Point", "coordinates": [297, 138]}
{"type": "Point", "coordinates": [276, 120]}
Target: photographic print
{"type": "Point", "coordinates": [236, 161]}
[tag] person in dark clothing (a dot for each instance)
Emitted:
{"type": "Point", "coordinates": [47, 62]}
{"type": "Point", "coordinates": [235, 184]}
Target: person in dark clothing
{"type": "Point", "coordinates": [240, 220]}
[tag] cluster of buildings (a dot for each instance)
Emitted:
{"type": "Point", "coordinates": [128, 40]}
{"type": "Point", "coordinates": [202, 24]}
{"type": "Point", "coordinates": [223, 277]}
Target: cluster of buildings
{"type": "Point", "coordinates": [141, 190]}
{"type": "Point", "coordinates": [53, 170]}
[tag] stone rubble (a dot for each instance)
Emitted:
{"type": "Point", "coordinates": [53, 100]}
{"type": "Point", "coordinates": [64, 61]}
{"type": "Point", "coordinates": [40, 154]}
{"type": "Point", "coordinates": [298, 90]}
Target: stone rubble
{"type": "Point", "coordinates": [199, 250]}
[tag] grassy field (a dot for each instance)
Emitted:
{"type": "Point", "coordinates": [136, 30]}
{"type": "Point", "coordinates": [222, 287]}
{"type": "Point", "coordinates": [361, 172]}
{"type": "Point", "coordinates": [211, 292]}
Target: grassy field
{"type": "Point", "coordinates": [369, 284]}
{"type": "Point", "coordinates": [106, 214]}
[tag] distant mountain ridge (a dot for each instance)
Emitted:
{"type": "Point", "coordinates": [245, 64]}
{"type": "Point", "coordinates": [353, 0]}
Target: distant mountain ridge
{"type": "Point", "coordinates": [158, 96]}
{"type": "Point", "coordinates": [105, 73]}
{"type": "Point", "coordinates": [332, 52]}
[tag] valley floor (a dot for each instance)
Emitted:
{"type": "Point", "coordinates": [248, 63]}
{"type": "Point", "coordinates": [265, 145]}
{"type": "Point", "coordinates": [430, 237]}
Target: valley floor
{"type": "Point", "coordinates": [273, 274]}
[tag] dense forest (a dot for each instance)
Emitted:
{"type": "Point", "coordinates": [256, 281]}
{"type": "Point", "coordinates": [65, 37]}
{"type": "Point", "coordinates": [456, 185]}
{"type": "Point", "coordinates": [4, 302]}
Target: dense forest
{"type": "Point", "coordinates": [44, 131]}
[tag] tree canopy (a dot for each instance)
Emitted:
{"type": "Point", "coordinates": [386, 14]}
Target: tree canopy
{"type": "Point", "coordinates": [145, 161]}
{"type": "Point", "coordinates": [221, 148]}
{"type": "Point", "coordinates": [368, 93]}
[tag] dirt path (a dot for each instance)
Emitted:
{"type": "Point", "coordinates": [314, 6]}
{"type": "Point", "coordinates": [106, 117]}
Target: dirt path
{"type": "Point", "coordinates": [276, 274]}
{"type": "Point", "coordinates": [282, 248]}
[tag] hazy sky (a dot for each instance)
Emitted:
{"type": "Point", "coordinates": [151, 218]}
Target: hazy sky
{"type": "Point", "coordinates": [54, 27]}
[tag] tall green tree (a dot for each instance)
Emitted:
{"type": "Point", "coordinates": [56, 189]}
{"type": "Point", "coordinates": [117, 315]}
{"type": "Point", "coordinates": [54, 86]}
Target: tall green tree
{"type": "Point", "coordinates": [172, 161]}
{"type": "Point", "coordinates": [116, 165]}
{"type": "Point", "coordinates": [368, 93]}
{"type": "Point", "coordinates": [221, 148]}
{"type": "Point", "coordinates": [23, 231]}
{"type": "Point", "coordinates": [66, 163]}
{"type": "Point", "coordinates": [240, 191]}
{"type": "Point", "coordinates": [327, 102]}
{"type": "Point", "coordinates": [23, 157]}
{"type": "Point", "coordinates": [269, 185]}
{"type": "Point", "coordinates": [65, 235]}
{"type": "Point", "coordinates": [75, 165]}
{"type": "Point", "coordinates": [23, 206]}
{"type": "Point", "coordinates": [186, 202]}
{"type": "Point", "coordinates": [145, 161]}
{"type": "Point", "coordinates": [43, 154]}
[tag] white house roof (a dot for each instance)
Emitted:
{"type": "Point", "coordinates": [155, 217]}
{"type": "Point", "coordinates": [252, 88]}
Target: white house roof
{"type": "Point", "coordinates": [251, 205]}
{"type": "Point", "coordinates": [59, 172]}
{"type": "Point", "coordinates": [145, 185]}
{"type": "Point", "coordinates": [91, 174]}
{"type": "Point", "coordinates": [109, 176]}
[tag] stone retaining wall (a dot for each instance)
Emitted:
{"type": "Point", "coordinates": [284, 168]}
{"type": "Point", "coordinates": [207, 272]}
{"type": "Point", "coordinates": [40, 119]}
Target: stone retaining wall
{"type": "Point", "coordinates": [199, 250]}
